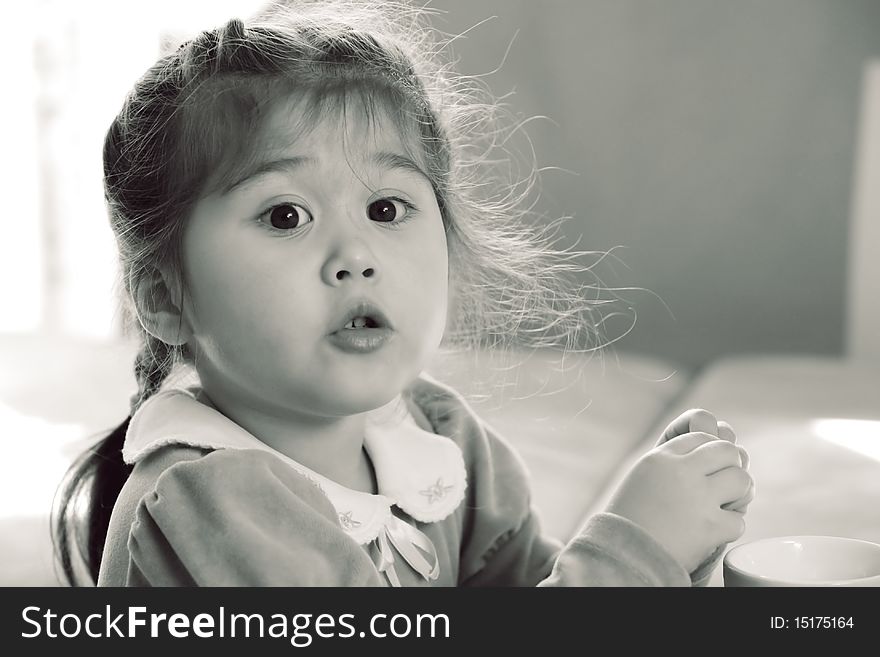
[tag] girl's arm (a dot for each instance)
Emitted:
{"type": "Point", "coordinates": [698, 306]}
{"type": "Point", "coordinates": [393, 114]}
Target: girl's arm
{"type": "Point", "coordinates": [669, 491]}
{"type": "Point", "coordinates": [507, 548]}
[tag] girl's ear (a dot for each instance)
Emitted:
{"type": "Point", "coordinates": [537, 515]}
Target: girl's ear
{"type": "Point", "coordinates": [158, 298]}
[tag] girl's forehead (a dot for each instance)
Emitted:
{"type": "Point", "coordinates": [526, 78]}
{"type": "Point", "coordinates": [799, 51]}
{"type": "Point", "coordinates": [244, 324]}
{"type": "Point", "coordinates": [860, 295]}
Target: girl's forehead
{"type": "Point", "coordinates": [296, 124]}
{"type": "Point", "coordinates": [359, 125]}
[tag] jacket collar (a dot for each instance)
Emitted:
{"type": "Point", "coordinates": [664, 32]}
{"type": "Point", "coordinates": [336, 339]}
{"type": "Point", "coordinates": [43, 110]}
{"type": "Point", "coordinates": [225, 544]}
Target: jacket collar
{"type": "Point", "coordinates": [419, 471]}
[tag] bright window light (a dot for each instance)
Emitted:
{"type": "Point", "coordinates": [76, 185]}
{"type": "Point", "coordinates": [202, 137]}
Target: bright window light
{"type": "Point", "coordinates": [861, 436]}
{"type": "Point", "coordinates": [33, 461]}
{"type": "Point", "coordinates": [74, 63]}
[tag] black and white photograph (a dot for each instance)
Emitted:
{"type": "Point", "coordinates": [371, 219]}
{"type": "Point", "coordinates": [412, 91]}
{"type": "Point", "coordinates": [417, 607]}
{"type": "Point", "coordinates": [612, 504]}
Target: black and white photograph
{"type": "Point", "coordinates": [447, 293]}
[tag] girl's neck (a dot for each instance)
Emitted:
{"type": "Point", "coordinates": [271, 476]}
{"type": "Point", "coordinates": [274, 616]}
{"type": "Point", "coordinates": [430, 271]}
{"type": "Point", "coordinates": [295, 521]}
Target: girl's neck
{"type": "Point", "coordinates": [332, 447]}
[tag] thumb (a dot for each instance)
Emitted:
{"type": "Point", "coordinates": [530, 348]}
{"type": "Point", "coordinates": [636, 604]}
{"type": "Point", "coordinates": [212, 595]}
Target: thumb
{"type": "Point", "coordinates": [694, 419]}
{"type": "Point", "coordinates": [704, 421]}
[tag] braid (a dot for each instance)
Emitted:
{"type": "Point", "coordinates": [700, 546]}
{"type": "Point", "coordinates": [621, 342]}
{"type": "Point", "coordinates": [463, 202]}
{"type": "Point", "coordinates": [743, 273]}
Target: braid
{"type": "Point", "coordinates": [151, 367]}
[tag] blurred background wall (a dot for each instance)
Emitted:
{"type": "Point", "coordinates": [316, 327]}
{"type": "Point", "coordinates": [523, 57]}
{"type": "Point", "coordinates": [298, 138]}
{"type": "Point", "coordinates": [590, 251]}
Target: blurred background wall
{"type": "Point", "coordinates": [712, 139]}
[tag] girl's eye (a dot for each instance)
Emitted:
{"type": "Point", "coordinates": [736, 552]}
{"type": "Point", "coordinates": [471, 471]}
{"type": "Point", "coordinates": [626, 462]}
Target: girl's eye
{"type": "Point", "coordinates": [287, 216]}
{"type": "Point", "coordinates": [387, 210]}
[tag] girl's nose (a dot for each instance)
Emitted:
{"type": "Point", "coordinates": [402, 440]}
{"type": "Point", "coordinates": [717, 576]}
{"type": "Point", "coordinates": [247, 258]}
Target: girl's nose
{"type": "Point", "coordinates": [353, 261]}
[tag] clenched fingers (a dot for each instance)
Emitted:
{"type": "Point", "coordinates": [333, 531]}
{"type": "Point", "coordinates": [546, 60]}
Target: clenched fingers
{"type": "Point", "coordinates": [732, 525]}
{"type": "Point", "coordinates": [742, 503]}
{"type": "Point", "coordinates": [687, 443]}
{"type": "Point", "coordinates": [715, 455]}
{"type": "Point", "coordinates": [692, 420]}
{"type": "Point", "coordinates": [725, 432]}
{"type": "Point", "coordinates": [730, 485]}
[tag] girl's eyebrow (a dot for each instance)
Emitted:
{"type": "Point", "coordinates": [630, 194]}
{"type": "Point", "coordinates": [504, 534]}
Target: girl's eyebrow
{"type": "Point", "coordinates": [284, 165]}
{"type": "Point", "coordinates": [389, 160]}
{"type": "Point", "coordinates": [383, 159]}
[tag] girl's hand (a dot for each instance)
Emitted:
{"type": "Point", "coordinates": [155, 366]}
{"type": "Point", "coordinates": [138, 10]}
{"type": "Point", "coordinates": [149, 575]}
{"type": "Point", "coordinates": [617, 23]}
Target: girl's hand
{"type": "Point", "coordinates": [679, 492]}
{"type": "Point", "coordinates": [697, 419]}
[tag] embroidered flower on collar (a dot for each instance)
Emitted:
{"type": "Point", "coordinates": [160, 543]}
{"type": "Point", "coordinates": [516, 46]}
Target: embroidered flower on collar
{"type": "Point", "coordinates": [436, 491]}
{"type": "Point", "coordinates": [348, 523]}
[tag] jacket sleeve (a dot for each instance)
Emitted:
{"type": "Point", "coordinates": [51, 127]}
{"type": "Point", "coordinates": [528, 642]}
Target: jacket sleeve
{"type": "Point", "coordinates": [503, 544]}
{"type": "Point", "coordinates": [613, 551]}
{"type": "Point", "coordinates": [703, 574]}
{"type": "Point", "coordinates": [241, 518]}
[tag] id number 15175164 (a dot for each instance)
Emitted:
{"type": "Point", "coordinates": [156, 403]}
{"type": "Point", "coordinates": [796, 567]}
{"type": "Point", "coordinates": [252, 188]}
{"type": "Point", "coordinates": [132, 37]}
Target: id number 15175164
{"type": "Point", "coordinates": [812, 622]}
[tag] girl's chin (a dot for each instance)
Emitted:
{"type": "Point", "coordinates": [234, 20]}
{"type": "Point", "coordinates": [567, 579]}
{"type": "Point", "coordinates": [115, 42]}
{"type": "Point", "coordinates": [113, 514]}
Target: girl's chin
{"type": "Point", "coordinates": [362, 397]}
{"type": "Point", "coordinates": [350, 396]}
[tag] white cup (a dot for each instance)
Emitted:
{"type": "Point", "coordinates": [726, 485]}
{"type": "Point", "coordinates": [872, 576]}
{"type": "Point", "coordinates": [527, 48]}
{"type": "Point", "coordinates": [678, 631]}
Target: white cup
{"type": "Point", "coordinates": [803, 561]}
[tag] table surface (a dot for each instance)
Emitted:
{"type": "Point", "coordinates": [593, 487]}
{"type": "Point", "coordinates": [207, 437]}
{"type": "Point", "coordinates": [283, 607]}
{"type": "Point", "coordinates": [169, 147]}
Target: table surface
{"type": "Point", "coordinates": [812, 429]}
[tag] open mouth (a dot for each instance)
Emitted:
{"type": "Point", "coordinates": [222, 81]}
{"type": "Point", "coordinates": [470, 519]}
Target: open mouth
{"type": "Point", "coordinates": [360, 316]}
{"type": "Point", "coordinates": [362, 323]}
{"type": "Point", "coordinates": [364, 329]}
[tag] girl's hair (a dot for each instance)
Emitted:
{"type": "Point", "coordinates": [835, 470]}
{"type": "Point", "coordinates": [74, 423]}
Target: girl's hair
{"type": "Point", "coordinates": [192, 122]}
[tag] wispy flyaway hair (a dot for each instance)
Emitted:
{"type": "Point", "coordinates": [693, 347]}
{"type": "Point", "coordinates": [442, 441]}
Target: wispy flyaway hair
{"type": "Point", "coordinates": [191, 126]}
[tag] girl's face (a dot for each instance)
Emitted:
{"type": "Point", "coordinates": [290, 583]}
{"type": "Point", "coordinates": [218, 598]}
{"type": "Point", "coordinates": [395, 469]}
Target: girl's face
{"type": "Point", "coordinates": [328, 219]}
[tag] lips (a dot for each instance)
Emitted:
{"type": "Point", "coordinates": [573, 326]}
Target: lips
{"type": "Point", "coordinates": [361, 330]}
{"type": "Point", "coordinates": [364, 314]}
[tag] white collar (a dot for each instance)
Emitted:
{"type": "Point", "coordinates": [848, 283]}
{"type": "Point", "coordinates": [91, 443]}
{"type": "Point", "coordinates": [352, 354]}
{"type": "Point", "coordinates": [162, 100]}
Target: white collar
{"type": "Point", "coordinates": [421, 472]}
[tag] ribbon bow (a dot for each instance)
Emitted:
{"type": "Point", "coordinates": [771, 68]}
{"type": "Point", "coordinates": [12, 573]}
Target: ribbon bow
{"type": "Point", "coordinates": [407, 541]}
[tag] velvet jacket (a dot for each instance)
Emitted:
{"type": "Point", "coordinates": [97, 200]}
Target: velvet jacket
{"type": "Point", "coordinates": [208, 504]}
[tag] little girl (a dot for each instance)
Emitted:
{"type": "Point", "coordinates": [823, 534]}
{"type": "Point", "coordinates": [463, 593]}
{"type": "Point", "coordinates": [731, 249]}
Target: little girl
{"type": "Point", "coordinates": [299, 224]}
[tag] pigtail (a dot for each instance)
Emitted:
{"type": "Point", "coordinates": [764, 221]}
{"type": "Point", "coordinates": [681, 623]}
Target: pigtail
{"type": "Point", "coordinates": [86, 496]}
{"type": "Point", "coordinates": [82, 507]}
{"type": "Point", "coordinates": [151, 367]}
